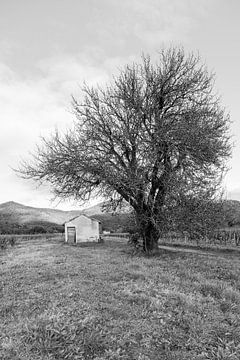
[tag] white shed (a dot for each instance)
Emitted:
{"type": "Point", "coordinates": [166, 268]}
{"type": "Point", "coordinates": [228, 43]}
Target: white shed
{"type": "Point", "coordinates": [82, 228]}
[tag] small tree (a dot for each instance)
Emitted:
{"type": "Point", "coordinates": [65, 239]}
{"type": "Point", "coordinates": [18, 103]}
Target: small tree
{"type": "Point", "coordinates": [154, 129]}
{"type": "Point", "coordinates": [199, 216]}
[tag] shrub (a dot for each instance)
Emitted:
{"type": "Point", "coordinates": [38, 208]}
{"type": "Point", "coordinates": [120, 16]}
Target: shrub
{"type": "Point", "coordinates": [6, 241]}
{"type": "Point", "coordinates": [12, 240]}
{"type": "Point", "coordinates": [3, 242]}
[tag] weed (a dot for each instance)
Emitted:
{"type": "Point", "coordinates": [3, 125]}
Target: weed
{"type": "Point", "coordinates": [211, 289]}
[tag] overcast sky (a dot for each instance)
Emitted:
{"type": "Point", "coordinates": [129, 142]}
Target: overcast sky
{"type": "Point", "coordinates": [49, 47]}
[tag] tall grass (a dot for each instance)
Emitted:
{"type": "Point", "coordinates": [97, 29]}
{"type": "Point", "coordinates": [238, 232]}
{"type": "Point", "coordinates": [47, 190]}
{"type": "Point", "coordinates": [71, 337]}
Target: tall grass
{"type": "Point", "coordinates": [7, 240]}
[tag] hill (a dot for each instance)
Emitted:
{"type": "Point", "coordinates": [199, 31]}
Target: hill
{"type": "Point", "coordinates": [19, 218]}
{"type": "Point", "coordinates": [22, 214]}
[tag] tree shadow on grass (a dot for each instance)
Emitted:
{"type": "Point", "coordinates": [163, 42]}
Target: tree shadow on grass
{"type": "Point", "coordinates": [85, 245]}
{"type": "Point", "coordinates": [203, 249]}
{"type": "Point", "coordinates": [107, 244]}
{"type": "Point", "coordinates": [180, 252]}
{"type": "Point", "coordinates": [169, 254]}
{"type": "Point", "coordinates": [160, 253]}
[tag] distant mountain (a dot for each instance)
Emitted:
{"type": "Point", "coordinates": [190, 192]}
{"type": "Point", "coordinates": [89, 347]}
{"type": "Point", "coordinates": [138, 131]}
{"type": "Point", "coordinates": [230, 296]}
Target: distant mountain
{"type": "Point", "coordinates": [93, 210]}
{"type": "Point", "coordinates": [21, 214]}
{"type": "Point", "coordinates": [21, 219]}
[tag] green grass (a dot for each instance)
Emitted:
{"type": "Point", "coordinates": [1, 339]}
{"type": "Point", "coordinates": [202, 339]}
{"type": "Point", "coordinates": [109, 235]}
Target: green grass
{"type": "Point", "coordinates": [98, 301]}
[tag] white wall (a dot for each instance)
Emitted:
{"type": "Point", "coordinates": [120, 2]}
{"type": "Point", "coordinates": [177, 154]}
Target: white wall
{"type": "Point", "coordinates": [86, 229]}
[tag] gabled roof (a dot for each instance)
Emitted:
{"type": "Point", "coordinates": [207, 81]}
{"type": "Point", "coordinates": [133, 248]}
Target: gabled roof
{"type": "Point", "coordinates": [89, 217]}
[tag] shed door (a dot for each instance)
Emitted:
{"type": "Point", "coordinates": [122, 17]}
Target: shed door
{"type": "Point", "coordinates": [71, 234]}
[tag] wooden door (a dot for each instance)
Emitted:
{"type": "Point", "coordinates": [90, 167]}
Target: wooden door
{"type": "Point", "coordinates": [71, 234]}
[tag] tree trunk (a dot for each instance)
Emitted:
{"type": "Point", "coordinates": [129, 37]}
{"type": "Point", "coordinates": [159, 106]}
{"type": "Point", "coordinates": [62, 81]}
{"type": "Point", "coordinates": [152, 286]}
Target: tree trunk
{"type": "Point", "coordinates": [150, 238]}
{"type": "Point", "coordinates": [148, 231]}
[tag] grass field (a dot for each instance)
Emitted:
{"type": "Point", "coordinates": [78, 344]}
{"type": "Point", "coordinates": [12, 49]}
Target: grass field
{"type": "Point", "coordinates": [101, 302]}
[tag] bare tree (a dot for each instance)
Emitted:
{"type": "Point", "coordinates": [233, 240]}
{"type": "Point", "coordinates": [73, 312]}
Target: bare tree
{"type": "Point", "coordinates": [154, 129]}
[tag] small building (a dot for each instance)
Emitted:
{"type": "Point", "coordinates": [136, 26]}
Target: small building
{"type": "Point", "coordinates": [82, 228]}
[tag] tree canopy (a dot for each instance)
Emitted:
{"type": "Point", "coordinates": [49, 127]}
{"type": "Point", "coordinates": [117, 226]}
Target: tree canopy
{"type": "Point", "coordinates": [157, 130]}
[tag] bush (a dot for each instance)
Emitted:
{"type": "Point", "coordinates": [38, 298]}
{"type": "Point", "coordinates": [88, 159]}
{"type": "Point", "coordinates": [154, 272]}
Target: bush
{"type": "Point", "coordinates": [3, 242]}
{"type": "Point", "coordinates": [136, 240]}
{"type": "Point", "coordinates": [6, 241]}
{"type": "Point", "coordinates": [38, 229]}
{"type": "Point", "coordinates": [12, 240]}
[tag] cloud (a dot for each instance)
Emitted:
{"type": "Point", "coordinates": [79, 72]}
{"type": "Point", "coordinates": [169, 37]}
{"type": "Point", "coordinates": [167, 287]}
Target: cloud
{"type": "Point", "coordinates": [162, 21]}
{"type": "Point", "coordinates": [61, 75]}
{"type": "Point", "coordinates": [34, 105]}
{"type": "Point", "coordinates": [30, 107]}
